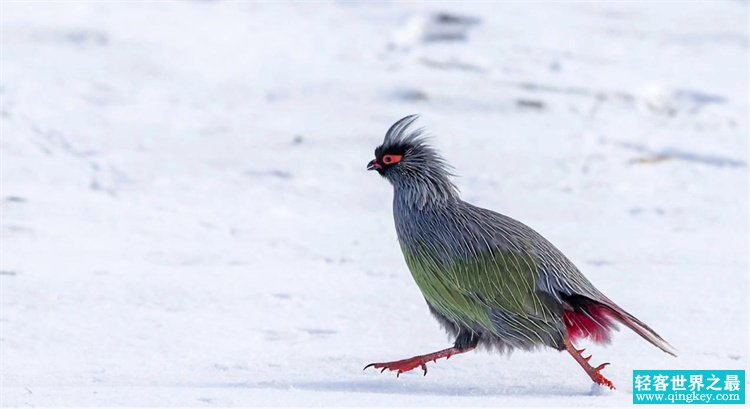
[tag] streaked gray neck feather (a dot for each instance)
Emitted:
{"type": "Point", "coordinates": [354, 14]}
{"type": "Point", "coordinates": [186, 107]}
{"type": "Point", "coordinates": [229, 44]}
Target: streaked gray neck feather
{"type": "Point", "coordinates": [429, 187]}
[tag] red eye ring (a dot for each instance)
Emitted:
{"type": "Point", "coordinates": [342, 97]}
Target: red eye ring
{"type": "Point", "coordinates": [391, 159]}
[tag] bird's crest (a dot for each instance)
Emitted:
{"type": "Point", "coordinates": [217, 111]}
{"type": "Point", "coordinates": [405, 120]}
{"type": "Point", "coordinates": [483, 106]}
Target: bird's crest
{"type": "Point", "coordinates": [397, 134]}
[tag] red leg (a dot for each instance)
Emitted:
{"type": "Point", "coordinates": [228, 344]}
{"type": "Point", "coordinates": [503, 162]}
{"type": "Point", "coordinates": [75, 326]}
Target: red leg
{"type": "Point", "coordinates": [593, 373]}
{"type": "Point", "coordinates": [408, 364]}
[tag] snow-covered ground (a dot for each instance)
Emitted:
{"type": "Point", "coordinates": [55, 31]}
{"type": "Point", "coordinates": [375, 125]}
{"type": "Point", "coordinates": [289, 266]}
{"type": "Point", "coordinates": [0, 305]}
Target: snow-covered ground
{"type": "Point", "coordinates": [187, 219]}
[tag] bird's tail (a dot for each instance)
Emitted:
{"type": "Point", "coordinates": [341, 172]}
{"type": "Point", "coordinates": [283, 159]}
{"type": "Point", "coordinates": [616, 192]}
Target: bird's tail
{"type": "Point", "coordinates": [639, 327]}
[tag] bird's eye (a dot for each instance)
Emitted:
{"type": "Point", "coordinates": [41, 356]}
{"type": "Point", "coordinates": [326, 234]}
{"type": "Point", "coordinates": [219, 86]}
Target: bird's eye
{"type": "Point", "coordinates": [391, 159]}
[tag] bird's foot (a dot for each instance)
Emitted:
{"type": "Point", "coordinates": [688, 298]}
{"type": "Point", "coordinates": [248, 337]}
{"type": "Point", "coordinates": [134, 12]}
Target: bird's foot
{"type": "Point", "coordinates": [598, 378]}
{"type": "Point", "coordinates": [419, 361]}
{"type": "Point", "coordinates": [404, 365]}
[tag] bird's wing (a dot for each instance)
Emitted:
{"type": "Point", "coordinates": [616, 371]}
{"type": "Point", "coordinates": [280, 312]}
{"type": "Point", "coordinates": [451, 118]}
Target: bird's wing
{"type": "Point", "coordinates": [492, 292]}
{"type": "Point", "coordinates": [552, 273]}
{"type": "Point", "coordinates": [491, 279]}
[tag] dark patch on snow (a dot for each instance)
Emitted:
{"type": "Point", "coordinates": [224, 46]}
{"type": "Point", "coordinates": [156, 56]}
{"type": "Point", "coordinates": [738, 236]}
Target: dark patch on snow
{"type": "Point", "coordinates": [270, 335]}
{"type": "Point", "coordinates": [82, 37]}
{"type": "Point", "coordinates": [275, 96]}
{"type": "Point", "coordinates": [451, 64]}
{"type": "Point", "coordinates": [599, 262]}
{"type": "Point", "coordinates": [640, 210]}
{"type": "Point", "coordinates": [319, 331]}
{"type": "Point", "coordinates": [409, 95]}
{"type": "Point", "coordinates": [275, 173]}
{"type": "Point", "coordinates": [96, 186]}
{"type": "Point", "coordinates": [657, 156]}
{"type": "Point", "coordinates": [339, 260]}
{"type": "Point", "coordinates": [445, 26]}
{"type": "Point", "coordinates": [15, 228]}
{"type": "Point", "coordinates": [700, 97]}
{"type": "Point", "coordinates": [531, 104]}
{"type": "Point", "coordinates": [682, 101]}
{"type": "Point", "coordinates": [433, 28]}
{"type": "Point", "coordinates": [87, 37]}
{"type": "Point", "coordinates": [225, 367]}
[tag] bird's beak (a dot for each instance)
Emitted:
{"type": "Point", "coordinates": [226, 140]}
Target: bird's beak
{"type": "Point", "coordinates": [373, 165]}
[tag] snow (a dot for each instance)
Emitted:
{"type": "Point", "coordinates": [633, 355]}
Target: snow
{"type": "Point", "coordinates": [187, 219]}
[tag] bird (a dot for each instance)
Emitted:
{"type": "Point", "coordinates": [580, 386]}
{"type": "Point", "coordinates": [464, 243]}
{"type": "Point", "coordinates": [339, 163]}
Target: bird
{"type": "Point", "coordinates": [488, 279]}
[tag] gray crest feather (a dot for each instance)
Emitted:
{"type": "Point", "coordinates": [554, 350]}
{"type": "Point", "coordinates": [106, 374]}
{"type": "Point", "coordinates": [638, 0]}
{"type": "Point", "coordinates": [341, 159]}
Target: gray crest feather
{"type": "Point", "coordinates": [397, 132]}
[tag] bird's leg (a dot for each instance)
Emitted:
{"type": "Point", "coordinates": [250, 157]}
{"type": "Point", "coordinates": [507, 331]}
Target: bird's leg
{"type": "Point", "coordinates": [465, 342]}
{"type": "Point", "coordinates": [593, 373]}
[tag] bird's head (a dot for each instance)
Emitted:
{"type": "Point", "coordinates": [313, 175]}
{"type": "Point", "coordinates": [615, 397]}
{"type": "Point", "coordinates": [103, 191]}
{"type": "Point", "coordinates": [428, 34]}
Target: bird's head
{"type": "Point", "coordinates": [403, 152]}
{"type": "Point", "coordinates": [409, 162]}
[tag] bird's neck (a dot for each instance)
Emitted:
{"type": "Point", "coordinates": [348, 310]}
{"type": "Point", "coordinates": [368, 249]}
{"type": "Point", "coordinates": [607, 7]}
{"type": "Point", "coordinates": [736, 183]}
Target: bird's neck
{"type": "Point", "coordinates": [424, 191]}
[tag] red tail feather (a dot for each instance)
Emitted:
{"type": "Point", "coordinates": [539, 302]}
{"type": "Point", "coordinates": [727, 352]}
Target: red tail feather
{"type": "Point", "coordinates": [596, 319]}
{"type": "Point", "coordinates": [592, 321]}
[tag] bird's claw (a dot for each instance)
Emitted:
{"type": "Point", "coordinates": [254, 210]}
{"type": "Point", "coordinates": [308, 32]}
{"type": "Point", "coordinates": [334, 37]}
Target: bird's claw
{"type": "Point", "coordinates": [399, 367]}
{"type": "Point", "coordinates": [600, 367]}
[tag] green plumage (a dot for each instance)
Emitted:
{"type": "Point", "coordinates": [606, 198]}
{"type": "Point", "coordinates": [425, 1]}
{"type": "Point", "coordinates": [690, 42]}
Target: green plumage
{"type": "Point", "coordinates": [480, 292]}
